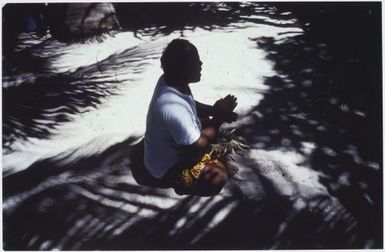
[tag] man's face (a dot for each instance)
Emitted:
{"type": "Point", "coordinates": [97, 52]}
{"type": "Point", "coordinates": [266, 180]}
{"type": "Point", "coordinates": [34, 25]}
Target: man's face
{"type": "Point", "coordinates": [194, 66]}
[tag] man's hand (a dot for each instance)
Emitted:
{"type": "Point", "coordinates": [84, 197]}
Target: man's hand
{"type": "Point", "coordinates": [225, 108]}
{"type": "Point", "coordinates": [222, 111]}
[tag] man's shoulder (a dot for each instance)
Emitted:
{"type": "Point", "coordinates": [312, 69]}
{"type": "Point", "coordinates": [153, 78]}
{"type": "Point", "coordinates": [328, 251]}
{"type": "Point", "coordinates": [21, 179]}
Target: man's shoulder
{"type": "Point", "coordinates": [170, 105]}
{"type": "Point", "coordinates": [167, 95]}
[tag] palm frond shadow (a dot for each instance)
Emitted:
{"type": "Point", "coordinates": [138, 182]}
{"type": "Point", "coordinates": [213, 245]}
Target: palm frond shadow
{"type": "Point", "coordinates": [96, 204]}
{"type": "Point", "coordinates": [34, 110]}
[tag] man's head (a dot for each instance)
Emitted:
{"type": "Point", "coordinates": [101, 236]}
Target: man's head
{"type": "Point", "coordinates": [180, 62]}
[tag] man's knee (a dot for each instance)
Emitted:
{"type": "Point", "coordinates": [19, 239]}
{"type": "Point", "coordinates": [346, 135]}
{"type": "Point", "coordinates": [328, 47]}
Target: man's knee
{"type": "Point", "coordinates": [214, 177]}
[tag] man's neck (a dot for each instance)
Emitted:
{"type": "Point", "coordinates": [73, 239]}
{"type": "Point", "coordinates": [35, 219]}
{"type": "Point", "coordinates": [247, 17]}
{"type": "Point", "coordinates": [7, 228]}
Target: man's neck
{"type": "Point", "coordinates": [181, 86]}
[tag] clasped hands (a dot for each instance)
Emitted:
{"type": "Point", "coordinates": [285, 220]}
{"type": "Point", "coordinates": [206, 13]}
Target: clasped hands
{"type": "Point", "coordinates": [224, 108]}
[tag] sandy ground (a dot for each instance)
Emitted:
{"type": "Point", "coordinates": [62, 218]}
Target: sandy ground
{"type": "Point", "coordinates": [73, 188]}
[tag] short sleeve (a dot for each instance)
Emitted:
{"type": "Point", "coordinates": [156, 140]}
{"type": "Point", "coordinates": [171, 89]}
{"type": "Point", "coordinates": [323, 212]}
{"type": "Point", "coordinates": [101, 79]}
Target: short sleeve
{"type": "Point", "coordinates": [181, 123]}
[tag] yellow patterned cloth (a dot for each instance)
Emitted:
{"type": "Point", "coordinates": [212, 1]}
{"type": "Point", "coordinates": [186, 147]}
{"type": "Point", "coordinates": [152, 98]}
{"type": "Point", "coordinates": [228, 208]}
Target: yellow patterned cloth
{"type": "Point", "coordinates": [190, 175]}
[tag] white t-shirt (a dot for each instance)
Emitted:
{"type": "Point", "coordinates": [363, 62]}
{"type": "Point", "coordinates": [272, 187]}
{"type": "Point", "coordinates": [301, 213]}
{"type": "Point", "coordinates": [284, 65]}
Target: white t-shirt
{"type": "Point", "coordinates": [172, 121]}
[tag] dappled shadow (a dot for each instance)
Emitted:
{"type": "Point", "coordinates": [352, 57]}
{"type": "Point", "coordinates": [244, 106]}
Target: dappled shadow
{"type": "Point", "coordinates": [318, 105]}
{"type": "Point", "coordinates": [315, 106]}
{"type": "Point", "coordinates": [310, 217]}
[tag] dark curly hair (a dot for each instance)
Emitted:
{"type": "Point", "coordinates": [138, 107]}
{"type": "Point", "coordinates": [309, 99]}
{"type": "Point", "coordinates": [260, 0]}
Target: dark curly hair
{"type": "Point", "coordinates": [175, 58]}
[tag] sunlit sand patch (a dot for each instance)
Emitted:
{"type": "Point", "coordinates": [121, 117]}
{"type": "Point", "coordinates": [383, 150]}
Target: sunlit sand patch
{"type": "Point", "coordinates": [285, 172]}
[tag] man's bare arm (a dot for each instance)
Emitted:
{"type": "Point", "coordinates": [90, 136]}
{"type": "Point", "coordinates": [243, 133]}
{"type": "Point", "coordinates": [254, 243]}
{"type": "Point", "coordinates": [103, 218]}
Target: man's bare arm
{"type": "Point", "coordinates": [207, 137]}
{"type": "Point", "coordinates": [221, 111]}
{"type": "Point", "coordinates": [204, 110]}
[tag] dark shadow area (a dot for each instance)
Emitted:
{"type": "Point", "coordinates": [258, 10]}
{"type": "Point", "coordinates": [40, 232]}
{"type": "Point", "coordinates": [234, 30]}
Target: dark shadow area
{"type": "Point", "coordinates": [141, 175]}
{"type": "Point", "coordinates": [153, 19]}
{"type": "Point", "coordinates": [328, 92]}
{"type": "Point", "coordinates": [21, 18]}
{"type": "Point", "coordinates": [83, 22]}
{"type": "Point", "coordinates": [66, 22]}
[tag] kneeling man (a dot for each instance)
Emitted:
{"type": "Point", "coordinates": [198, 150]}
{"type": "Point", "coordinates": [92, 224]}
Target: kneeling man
{"type": "Point", "coordinates": [180, 130]}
